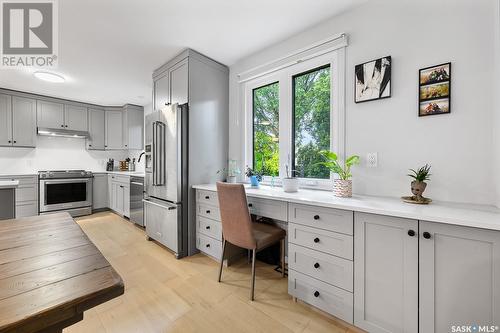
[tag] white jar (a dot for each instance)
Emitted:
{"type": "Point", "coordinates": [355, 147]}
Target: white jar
{"type": "Point", "coordinates": [290, 184]}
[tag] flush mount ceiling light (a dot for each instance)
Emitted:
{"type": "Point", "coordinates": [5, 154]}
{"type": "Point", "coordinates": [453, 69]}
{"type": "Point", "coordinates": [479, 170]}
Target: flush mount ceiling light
{"type": "Point", "coordinates": [49, 77]}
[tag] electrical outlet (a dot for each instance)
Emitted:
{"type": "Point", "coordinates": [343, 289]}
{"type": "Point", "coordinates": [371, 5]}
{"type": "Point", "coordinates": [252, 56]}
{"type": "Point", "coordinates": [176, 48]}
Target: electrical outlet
{"type": "Point", "coordinates": [372, 160]}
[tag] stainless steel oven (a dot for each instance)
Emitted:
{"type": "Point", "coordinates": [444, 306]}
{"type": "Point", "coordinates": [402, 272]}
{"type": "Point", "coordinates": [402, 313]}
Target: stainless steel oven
{"type": "Point", "coordinates": [69, 191]}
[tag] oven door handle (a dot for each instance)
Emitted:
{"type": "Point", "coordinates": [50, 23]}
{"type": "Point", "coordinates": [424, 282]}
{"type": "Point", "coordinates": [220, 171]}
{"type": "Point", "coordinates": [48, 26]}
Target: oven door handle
{"type": "Point", "coordinates": [66, 181]}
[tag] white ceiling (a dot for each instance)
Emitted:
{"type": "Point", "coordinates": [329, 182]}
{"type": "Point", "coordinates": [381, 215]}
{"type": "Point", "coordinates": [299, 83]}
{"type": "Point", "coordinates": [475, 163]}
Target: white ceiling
{"type": "Point", "coordinates": [108, 49]}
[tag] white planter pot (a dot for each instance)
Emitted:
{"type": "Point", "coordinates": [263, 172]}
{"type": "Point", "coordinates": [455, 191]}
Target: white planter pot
{"type": "Point", "coordinates": [290, 184]}
{"type": "Point", "coordinates": [342, 188]}
{"type": "Point", "coordinates": [231, 179]}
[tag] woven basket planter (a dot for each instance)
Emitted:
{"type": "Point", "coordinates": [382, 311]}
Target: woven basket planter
{"type": "Point", "coordinates": [342, 188]}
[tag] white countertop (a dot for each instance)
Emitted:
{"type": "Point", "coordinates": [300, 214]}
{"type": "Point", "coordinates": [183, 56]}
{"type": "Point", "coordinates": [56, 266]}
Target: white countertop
{"type": "Point", "coordinates": [124, 173]}
{"type": "Point", "coordinates": [6, 184]}
{"type": "Point", "coordinates": [478, 216]}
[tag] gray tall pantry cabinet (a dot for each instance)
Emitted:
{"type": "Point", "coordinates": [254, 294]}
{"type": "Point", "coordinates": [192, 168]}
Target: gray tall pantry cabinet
{"type": "Point", "coordinates": [203, 84]}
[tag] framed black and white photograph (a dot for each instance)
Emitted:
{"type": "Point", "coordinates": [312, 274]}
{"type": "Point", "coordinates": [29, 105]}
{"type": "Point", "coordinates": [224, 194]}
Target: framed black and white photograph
{"type": "Point", "coordinates": [434, 90]}
{"type": "Point", "coordinates": [373, 80]}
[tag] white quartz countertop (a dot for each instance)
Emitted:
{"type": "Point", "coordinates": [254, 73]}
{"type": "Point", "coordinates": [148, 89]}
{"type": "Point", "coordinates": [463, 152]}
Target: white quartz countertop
{"type": "Point", "coordinates": [478, 216]}
{"type": "Point", "coordinates": [123, 173]}
{"type": "Point", "coordinates": [6, 184]}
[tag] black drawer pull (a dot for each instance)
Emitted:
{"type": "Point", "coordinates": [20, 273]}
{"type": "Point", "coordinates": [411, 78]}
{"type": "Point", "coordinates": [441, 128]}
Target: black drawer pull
{"type": "Point", "coordinates": [316, 240]}
{"type": "Point", "coordinates": [411, 233]}
{"type": "Point", "coordinates": [316, 293]}
{"type": "Point", "coordinates": [208, 212]}
{"type": "Point", "coordinates": [207, 227]}
{"type": "Point", "coordinates": [207, 197]}
{"type": "Point", "coordinates": [316, 265]}
{"type": "Point", "coordinates": [427, 235]}
{"type": "Point", "coordinates": [250, 205]}
{"type": "Point", "coordinates": [316, 217]}
{"type": "Point", "coordinates": [208, 245]}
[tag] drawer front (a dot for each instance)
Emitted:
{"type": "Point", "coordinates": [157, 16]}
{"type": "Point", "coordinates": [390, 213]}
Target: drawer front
{"type": "Point", "coordinates": [119, 178]}
{"type": "Point", "coordinates": [330, 269]}
{"type": "Point", "coordinates": [321, 240]}
{"type": "Point", "coordinates": [23, 180]}
{"type": "Point", "coordinates": [210, 212]}
{"type": "Point", "coordinates": [269, 208]}
{"type": "Point", "coordinates": [209, 227]}
{"type": "Point", "coordinates": [330, 299]}
{"type": "Point", "coordinates": [207, 198]}
{"type": "Point", "coordinates": [26, 209]}
{"type": "Point", "coordinates": [331, 219]}
{"type": "Point", "coordinates": [26, 193]}
{"type": "Point", "coordinates": [210, 246]}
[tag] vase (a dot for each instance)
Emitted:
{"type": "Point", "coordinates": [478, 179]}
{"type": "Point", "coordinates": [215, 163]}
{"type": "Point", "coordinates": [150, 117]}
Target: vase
{"type": "Point", "coordinates": [290, 184]}
{"type": "Point", "coordinates": [418, 188]}
{"type": "Point", "coordinates": [342, 188]}
{"type": "Point", "coordinates": [231, 179]}
{"type": "Point", "coordinates": [254, 181]}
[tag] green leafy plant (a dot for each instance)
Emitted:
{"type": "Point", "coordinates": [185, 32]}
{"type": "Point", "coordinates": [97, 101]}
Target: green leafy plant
{"type": "Point", "coordinates": [422, 174]}
{"type": "Point", "coordinates": [251, 172]}
{"type": "Point", "coordinates": [334, 166]}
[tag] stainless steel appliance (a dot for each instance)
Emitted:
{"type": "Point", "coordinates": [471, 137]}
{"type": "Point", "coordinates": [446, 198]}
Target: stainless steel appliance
{"type": "Point", "coordinates": [69, 190]}
{"type": "Point", "coordinates": [136, 204]}
{"type": "Point", "coordinates": [165, 205]}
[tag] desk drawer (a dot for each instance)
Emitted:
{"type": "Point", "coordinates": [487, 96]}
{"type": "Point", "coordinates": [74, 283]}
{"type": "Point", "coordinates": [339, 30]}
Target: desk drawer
{"type": "Point", "coordinates": [25, 209]}
{"type": "Point", "coordinates": [207, 211]}
{"type": "Point", "coordinates": [274, 209]}
{"type": "Point", "coordinates": [321, 240]}
{"type": "Point", "coordinates": [23, 180]}
{"type": "Point", "coordinates": [331, 219]}
{"type": "Point", "coordinates": [26, 193]}
{"type": "Point", "coordinates": [210, 246]}
{"type": "Point", "coordinates": [330, 299]}
{"type": "Point", "coordinates": [207, 198]}
{"type": "Point", "coordinates": [327, 268]}
{"type": "Point", "coordinates": [209, 227]}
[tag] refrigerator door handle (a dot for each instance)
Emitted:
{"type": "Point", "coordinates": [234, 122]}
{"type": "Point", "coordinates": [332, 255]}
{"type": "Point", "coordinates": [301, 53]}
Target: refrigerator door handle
{"type": "Point", "coordinates": [154, 157]}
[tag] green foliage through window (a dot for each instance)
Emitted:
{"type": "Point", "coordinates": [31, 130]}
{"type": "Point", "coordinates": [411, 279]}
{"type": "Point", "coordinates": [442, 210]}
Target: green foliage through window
{"type": "Point", "coordinates": [266, 129]}
{"type": "Point", "coordinates": [311, 99]}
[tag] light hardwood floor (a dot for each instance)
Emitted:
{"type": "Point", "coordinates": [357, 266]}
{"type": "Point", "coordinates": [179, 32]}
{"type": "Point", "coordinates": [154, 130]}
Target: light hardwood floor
{"type": "Point", "coordinates": [163, 294]}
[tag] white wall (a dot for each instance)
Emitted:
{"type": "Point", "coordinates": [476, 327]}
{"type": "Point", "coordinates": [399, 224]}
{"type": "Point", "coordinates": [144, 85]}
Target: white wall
{"type": "Point", "coordinates": [54, 153]}
{"type": "Point", "coordinates": [496, 110]}
{"type": "Point", "coordinates": [416, 34]}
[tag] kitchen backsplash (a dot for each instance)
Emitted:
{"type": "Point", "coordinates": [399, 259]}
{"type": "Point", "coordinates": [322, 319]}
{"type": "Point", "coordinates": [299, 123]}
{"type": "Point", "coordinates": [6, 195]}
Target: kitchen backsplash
{"type": "Point", "coordinates": [56, 153]}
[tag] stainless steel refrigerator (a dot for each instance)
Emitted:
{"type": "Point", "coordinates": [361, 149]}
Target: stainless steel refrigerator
{"type": "Point", "coordinates": [166, 181]}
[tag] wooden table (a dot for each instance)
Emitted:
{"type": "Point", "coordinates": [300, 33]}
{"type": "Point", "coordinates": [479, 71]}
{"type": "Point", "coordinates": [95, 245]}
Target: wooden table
{"type": "Point", "coordinates": [50, 273]}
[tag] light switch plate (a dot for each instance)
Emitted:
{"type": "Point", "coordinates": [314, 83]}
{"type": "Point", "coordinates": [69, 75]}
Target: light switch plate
{"type": "Point", "coordinates": [372, 160]}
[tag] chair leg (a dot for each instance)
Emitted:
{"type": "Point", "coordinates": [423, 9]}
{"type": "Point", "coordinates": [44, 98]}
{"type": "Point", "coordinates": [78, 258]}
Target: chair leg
{"type": "Point", "coordinates": [253, 275]}
{"type": "Point", "coordinates": [283, 257]}
{"type": "Point", "coordinates": [222, 259]}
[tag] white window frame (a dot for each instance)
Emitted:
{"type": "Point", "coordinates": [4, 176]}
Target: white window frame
{"type": "Point", "coordinates": [336, 60]}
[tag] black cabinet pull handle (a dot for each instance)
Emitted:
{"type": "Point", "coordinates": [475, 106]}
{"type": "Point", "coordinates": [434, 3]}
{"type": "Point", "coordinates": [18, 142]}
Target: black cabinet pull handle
{"type": "Point", "coordinates": [208, 245]}
{"type": "Point", "coordinates": [411, 233]}
{"type": "Point", "coordinates": [66, 126]}
{"type": "Point", "coordinates": [250, 205]}
{"type": "Point", "coordinates": [207, 197]}
{"type": "Point", "coordinates": [316, 217]}
{"type": "Point", "coordinates": [427, 235]}
{"type": "Point", "coordinates": [316, 240]}
{"type": "Point", "coordinates": [62, 125]}
{"type": "Point", "coordinates": [207, 227]}
{"type": "Point", "coordinates": [10, 141]}
{"type": "Point", "coordinates": [316, 293]}
{"type": "Point", "coordinates": [316, 265]}
{"type": "Point", "coordinates": [208, 212]}
{"type": "Point", "coordinates": [15, 141]}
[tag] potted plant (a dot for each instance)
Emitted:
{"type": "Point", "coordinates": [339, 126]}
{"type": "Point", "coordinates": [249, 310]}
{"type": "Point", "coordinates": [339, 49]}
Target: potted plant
{"type": "Point", "coordinates": [229, 174]}
{"type": "Point", "coordinates": [418, 184]}
{"type": "Point", "coordinates": [255, 176]}
{"type": "Point", "coordinates": [342, 187]}
{"type": "Point", "coordinates": [290, 183]}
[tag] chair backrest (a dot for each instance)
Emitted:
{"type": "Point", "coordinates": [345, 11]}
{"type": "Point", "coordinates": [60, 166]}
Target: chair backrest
{"type": "Point", "coordinates": [235, 217]}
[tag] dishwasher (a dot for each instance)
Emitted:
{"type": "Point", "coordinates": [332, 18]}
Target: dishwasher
{"type": "Point", "coordinates": [136, 204]}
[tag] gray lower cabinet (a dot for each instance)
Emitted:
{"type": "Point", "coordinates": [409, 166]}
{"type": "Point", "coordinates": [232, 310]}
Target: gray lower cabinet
{"type": "Point", "coordinates": [119, 194]}
{"type": "Point", "coordinates": [96, 129]}
{"type": "Point", "coordinates": [100, 197]}
{"type": "Point", "coordinates": [386, 273]}
{"type": "Point", "coordinates": [459, 282]}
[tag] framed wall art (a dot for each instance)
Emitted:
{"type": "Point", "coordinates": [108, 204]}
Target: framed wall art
{"type": "Point", "coordinates": [373, 80]}
{"type": "Point", "coordinates": [434, 90]}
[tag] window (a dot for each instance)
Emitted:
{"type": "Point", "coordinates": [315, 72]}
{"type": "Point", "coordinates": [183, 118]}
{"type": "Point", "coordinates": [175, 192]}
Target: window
{"type": "Point", "coordinates": [265, 103]}
{"type": "Point", "coordinates": [311, 122]}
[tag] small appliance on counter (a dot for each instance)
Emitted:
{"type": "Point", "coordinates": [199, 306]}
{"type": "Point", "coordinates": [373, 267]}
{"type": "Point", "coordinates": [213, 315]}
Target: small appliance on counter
{"type": "Point", "coordinates": [110, 165]}
{"type": "Point", "coordinates": [131, 166]}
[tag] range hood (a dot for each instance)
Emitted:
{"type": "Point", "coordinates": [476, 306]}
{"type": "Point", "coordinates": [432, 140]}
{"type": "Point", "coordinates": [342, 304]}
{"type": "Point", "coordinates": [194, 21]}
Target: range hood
{"type": "Point", "coordinates": [61, 132]}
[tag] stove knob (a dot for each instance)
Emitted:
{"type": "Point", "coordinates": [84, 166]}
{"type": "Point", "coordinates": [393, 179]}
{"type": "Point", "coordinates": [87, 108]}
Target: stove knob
{"type": "Point", "coordinates": [82, 173]}
{"type": "Point", "coordinates": [50, 174]}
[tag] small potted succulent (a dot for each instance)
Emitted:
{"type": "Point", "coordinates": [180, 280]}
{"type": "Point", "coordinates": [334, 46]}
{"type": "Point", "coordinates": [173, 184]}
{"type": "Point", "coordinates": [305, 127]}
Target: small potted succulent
{"type": "Point", "coordinates": [418, 184]}
{"type": "Point", "coordinates": [255, 176]}
{"type": "Point", "coordinates": [342, 187]}
{"type": "Point", "coordinates": [229, 174]}
{"type": "Point", "coordinates": [290, 183]}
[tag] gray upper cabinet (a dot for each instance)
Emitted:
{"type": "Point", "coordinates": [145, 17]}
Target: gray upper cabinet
{"type": "Point", "coordinates": [133, 127]}
{"type": "Point", "coordinates": [386, 273]}
{"type": "Point", "coordinates": [114, 129]}
{"type": "Point", "coordinates": [5, 120]}
{"type": "Point", "coordinates": [179, 83]}
{"type": "Point", "coordinates": [75, 117]}
{"type": "Point", "coordinates": [96, 129]}
{"type": "Point", "coordinates": [50, 114]}
{"type": "Point", "coordinates": [23, 122]}
{"type": "Point", "coordinates": [459, 277]}
{"type": "Point", "coordinates": [161, 91]}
